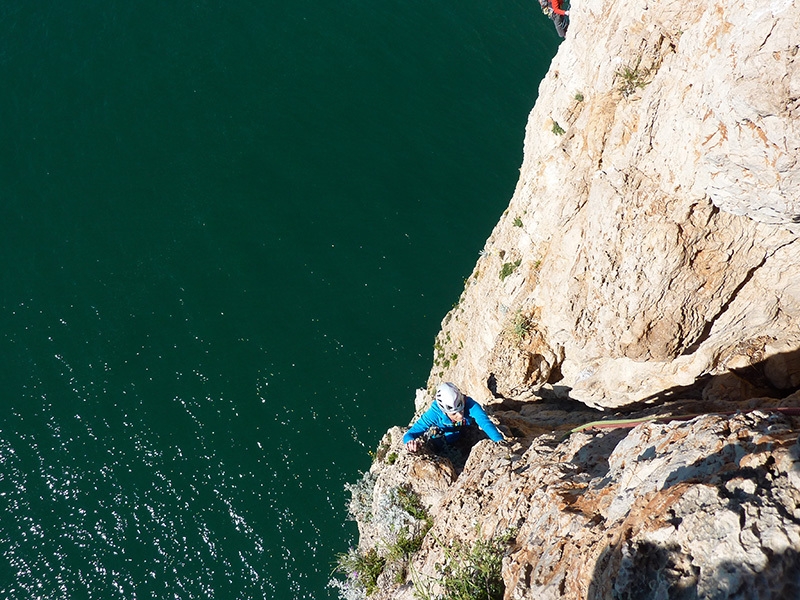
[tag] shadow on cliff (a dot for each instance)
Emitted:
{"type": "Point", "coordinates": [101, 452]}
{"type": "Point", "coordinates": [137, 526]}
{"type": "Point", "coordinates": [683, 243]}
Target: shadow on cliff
{"type": "Point", "coordinates": [718, 469]}
{"type": "Point", "coordinates": [642, 570]}
{"type": "Point", "coordinates": [592, 457]}
{"type": "Point", "coordinates": [636, 569]}
{"type": "Point", "coordinates": [771, 380]}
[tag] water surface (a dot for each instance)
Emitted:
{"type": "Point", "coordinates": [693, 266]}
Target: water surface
{"type": "Point", "coordinates": [229, 234]}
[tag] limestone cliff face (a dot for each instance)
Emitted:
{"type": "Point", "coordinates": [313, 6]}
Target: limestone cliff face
{"type": "Point", "coordinates": [652, 238]}
{"type": "Point", "coordinates": [648, 264]}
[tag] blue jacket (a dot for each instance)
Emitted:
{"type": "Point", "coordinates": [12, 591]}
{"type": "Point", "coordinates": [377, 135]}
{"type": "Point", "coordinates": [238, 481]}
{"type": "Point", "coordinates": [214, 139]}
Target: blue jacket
{"type": "Point", "coordinates": [435, 417]}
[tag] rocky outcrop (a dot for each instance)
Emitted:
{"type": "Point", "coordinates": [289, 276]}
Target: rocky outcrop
{"type": "Point", "coordinates": [707, 507]}
{"type": "Point", "coordinates": [648, 265]}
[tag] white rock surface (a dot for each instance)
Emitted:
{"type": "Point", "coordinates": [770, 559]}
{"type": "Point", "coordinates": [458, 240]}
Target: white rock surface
{"type": "Point", "coordinates": [655, 241]}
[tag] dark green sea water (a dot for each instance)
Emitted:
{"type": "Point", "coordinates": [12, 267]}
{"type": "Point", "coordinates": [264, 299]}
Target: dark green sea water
{"type": "Point", "coordinates": [229, 232]}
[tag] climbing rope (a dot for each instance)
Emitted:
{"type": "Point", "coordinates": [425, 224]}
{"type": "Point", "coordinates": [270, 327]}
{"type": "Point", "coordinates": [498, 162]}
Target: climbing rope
{"type": "Point", "coordinates": [630, 423]}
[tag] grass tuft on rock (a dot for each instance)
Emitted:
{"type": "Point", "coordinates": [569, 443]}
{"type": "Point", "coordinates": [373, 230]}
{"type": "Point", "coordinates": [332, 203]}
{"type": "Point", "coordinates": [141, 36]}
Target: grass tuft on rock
{"type": "Point", "coordinates": [361, 570]}
{"type": "Point", "coordinates": [475, 573]}
{"type": "Point", "coordinates": [508, 268]}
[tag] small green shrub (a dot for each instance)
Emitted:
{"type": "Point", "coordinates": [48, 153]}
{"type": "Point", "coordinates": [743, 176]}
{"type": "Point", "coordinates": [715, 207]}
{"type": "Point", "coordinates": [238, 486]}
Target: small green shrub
{"type": "Point", "coordinates": [521, 325]}
{"type": "Point", "coordinates": [475, 573]}
{"type": "Point", "coordinates": [508, 268]}
{"type": "Point", "coordinates": [361, 570]}
{"type": "Point", "coordinates": [360, 505]}
{"type": "Point", "coordinates": [405, 545]}
{"type": "Point", "coordinates": [440, 358]}
{"type": "Point", "coordinates": [410, 502]}
{"type": "Point", "coordinates": [399, 552]}
{"type": "Point", "coordinates": [408, 540]}
{"type": "Point", "coordinates": [391, 458]}
{"type": "Point", "coordinates": [579, 97]}
{"type": "Point", "coordinates": [631, 79]}
{"type": "Point", "coordinates": [517, 222]}
{"type": "Point", "coordinates": [557, 129]}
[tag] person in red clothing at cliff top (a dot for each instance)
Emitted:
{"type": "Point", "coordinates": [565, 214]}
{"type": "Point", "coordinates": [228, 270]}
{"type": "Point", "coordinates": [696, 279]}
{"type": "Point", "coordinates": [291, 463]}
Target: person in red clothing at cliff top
{"type": "Point", "coordinates": [560, 17]}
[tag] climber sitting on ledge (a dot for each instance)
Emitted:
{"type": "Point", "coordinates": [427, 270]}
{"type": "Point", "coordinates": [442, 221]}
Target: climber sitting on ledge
{"type": "Point", "coordinates": [446, 418]}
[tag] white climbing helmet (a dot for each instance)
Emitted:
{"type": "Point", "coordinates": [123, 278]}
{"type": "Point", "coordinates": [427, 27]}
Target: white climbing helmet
{"type": "Point", "coordinates": [449, 399]}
